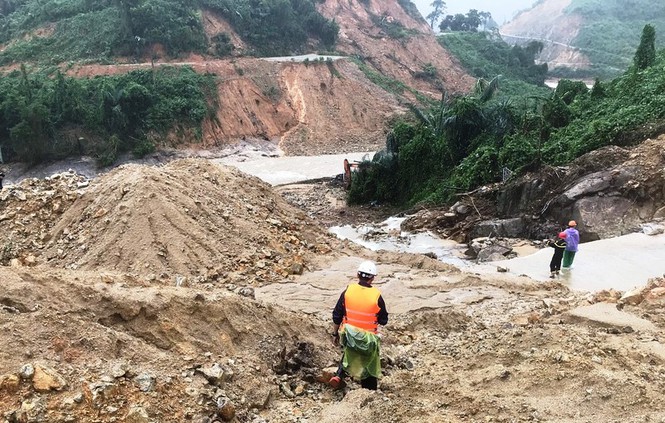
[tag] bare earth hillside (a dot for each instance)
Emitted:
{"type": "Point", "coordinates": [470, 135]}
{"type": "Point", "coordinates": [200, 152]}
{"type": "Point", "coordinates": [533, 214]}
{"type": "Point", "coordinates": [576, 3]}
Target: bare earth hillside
{"type": "Point", "coordinates": [317, 107]}
{"type": "Point", "coordinates": [399, 58]}
{"type": "Point", "coordinates": [546, 22]}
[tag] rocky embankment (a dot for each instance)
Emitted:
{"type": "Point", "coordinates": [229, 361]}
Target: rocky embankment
{"type": "Point", "coordinates": [609, 192]}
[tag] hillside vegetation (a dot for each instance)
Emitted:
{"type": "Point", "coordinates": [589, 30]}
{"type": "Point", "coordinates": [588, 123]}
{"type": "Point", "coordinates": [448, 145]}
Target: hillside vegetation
{"type": "Point", "coordinates": [55, 31]}
{"type": "Point", "coordinates": [46, 116]}
{"type": "Point", "coordinates": [473, 140]}
{"type": "Point", "coordinates": [586, 38]}
{"type": "Point", "coordinates": [611, 29]}
{"type": "Point", "coordinates": [486, 56]}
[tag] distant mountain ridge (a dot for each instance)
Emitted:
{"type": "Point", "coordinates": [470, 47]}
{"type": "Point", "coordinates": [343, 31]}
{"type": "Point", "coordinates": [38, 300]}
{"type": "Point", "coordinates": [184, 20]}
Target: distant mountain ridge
{"type": "Point", "coordinates": [591, 37]}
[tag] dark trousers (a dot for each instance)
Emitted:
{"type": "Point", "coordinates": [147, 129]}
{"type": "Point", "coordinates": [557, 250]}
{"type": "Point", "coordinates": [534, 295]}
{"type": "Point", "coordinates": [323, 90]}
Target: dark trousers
{"type": "Point", "coordinates": [555, 264]}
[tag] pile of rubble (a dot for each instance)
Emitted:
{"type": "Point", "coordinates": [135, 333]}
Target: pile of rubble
{"type": "Point", "coordinates": [187, 222]}
{"type": "Point", "coordinates": [30, 209]}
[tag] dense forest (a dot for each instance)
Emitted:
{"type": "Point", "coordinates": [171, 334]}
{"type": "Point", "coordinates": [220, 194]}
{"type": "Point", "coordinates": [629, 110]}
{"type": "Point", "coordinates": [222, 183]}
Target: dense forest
{"type": "Point", "coordinates": [46, 115]}
{"type": "Point", "coordinates": [470, 140]}
{"type": "Point", "coordinates": [55, 31]}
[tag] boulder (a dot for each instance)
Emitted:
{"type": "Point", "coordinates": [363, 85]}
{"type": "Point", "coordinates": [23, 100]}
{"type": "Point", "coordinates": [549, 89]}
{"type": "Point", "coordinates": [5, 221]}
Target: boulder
{"type": "Point", "coordinates": [507, 228]}
{"type": "Point", "coordinates": [587, 186]}
{"type": "Point", "coordinates": [493, 253]}
{"type": "Point", "coordinates": [605, 217]}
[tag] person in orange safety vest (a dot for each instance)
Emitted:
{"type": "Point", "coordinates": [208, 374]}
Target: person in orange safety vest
{"type": "Point", "coordinates": [361, 306]}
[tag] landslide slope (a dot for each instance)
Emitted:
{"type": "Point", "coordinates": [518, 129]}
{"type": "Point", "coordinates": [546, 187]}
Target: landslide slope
{"type": "Point", "coordinates": [309, 107]}
{"type": "Point", "coordinates": [588, 35]}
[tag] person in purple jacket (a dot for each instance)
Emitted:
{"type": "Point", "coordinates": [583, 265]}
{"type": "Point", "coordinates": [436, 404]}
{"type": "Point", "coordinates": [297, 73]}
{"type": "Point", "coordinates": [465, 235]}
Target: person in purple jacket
{"type": "Point", "coordinates": [572, 241]}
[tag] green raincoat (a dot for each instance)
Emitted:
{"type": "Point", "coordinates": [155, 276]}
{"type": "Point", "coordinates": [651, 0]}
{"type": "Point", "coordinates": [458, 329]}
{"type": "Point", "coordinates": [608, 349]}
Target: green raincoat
{"type": "Point", "coordinates": [361, 353]}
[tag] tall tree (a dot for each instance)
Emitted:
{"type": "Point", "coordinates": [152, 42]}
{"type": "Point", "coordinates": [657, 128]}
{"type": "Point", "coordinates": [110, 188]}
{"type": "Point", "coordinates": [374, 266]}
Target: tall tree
{"type": "Point", "coordinates": [469, 22]}
{"type": "Point", "coordinates": [485, 19]}
{"type": "Point", "coordinates": [439, 9]}
{"type": "Point", "coordinates": [645, 56]}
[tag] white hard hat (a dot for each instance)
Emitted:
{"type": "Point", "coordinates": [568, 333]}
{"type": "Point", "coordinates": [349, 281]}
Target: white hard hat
{"type": "Point", "coordinates": [368, 268]}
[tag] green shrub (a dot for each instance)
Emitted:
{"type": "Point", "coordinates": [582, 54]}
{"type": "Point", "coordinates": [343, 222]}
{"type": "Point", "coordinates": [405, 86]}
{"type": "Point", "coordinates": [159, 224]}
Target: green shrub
{"type": "Point", "coordinates": [37, 111]}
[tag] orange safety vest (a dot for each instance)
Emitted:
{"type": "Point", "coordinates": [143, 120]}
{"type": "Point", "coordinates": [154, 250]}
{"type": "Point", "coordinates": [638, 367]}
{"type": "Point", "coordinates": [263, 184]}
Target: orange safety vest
{"type": "Point", "coordinates": [362, 306]}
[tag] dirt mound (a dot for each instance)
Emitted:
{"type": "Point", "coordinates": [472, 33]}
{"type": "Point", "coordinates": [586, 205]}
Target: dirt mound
{"type": "Point", "coordinates": [190, 221]}
{"type": "Point", "coordinates": [100, 346]}
{"type": "Point", "coordinates": [119, 346]}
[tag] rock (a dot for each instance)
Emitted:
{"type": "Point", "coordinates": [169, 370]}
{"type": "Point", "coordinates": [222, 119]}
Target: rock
{"type": "Point", "coordinates": [274, 222]}
{"type": "Point", "coordinates": [502, 269]}
{"type": "Point", "coordinates": [604, 217]}
{"type": "Point", "coordinates": [105, 278]}
{"type": "Point", "coordinates": [588, 185]}
{"type": "Point", "coordinates": [214, 374]}
{"type": "Point", "coordinates": [46, 379]}
{"type": "Point", "coordinates": [100, 213]}
{"type": "Point", "coordinates": [137, 415]}
{"type": "Point", "coordinates": [506, 228]}
{"type": "Point", "coordinates": [299, 390]}
{"type": "Point", "coordinates": [247, 292]}
{"type": "Point", "coordinates": [32, 410]}
{"type": "Point", "coordinates": [404, 363]}
{"type": "Point", "coordinates": [296, 269]}
{"type": "Point", "coordinates": [460, 208]}
{"type": "Point", "coordinates": [227, 411]}
{"type": "Point", "coordinates": [30, 260]}
{"type": "Point", "coordinates": [119, 370]}
{"type": "Point", "coordinates": [78, 397]}
{"type": "Point", "coordinates": [145, 382]}
{"type": "Point", "coordinates": [633, 297]}
{"type": "Point", "coordinates": [181, 280]}
{"type": "Point", "coordinates": [97, 392]}
{"type": "Point", "coordinates": [286, 390]}
{"type": "Point", "coordinates": [493, 253]}
{"type": "Point", "coordinates": [9, 383]}
{"type": "Point", "coordinates": [652, 229]}
{"type": "Point", "coordinates": [27, 371]}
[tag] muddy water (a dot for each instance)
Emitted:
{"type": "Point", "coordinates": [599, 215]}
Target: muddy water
{"type": "Point", "coordinates": [621, 263]}
{"type": "Point", "coordinates": [290, 169]}
{"type": "Point", "coordinates": [388, 236]}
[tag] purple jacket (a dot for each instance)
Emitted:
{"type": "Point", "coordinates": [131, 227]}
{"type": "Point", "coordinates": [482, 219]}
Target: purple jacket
{"type": "Point", "coordinates": [572, 240]}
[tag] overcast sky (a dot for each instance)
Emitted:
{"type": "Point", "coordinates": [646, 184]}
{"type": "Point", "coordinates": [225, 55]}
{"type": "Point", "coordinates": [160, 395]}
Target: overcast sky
{"type": "Point", "coordinates": [501, 10]}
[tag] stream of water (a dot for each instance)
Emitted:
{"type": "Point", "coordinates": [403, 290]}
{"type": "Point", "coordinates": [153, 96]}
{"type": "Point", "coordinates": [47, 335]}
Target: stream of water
{"type": "Point", "coordinates": [620, 263]}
